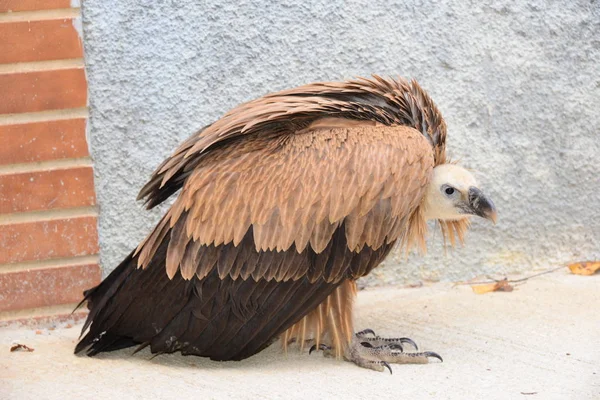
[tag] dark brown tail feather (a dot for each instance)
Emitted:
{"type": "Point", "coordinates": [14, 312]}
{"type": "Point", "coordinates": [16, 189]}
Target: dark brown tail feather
{"type": "Point", "coordinates": [96, 299]}
{"type": "Point", "coordinates": [224, 319]}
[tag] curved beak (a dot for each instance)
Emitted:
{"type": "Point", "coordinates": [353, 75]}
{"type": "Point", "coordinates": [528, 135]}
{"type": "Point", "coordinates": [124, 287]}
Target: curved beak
{"type": "Point", "coordinates": [481, 205]}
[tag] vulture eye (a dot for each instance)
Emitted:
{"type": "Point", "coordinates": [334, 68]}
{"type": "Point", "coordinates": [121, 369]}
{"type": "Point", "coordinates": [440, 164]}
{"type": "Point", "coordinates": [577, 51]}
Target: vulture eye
{"type": "Point", "coordinates": [449, 191]}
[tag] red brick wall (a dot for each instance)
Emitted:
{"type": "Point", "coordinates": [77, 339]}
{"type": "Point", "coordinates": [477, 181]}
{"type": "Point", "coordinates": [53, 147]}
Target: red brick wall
{"type": "Point", "coordinates": [48, 215]}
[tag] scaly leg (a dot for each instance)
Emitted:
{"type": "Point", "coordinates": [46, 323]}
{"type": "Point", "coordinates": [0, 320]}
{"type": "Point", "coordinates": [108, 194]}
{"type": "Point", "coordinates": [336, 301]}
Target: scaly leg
{"type": "Point", "coordinates": [369, 350]}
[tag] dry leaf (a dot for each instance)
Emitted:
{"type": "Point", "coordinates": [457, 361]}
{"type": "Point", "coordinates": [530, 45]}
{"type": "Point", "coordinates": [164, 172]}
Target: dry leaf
{"type": "Point", "coordinates": [499, 286]}
{"type": "Point", "coordinates": [19, 347]}
{"type": "Point", "coordinates": [585, 268]}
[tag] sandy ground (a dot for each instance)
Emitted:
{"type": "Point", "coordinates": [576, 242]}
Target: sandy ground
{"type": "Point", "coordinates": [540, 341]}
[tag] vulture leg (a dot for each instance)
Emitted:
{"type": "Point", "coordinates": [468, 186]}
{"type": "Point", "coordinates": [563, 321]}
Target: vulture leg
{"type": "Point", "coordinates": [385, 351]}
{"type": "Point", "coordinates": [368, 350]}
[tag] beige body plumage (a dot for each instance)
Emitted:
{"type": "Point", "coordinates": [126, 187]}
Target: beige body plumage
{"type": "Point", "coordinates": [284, 202]}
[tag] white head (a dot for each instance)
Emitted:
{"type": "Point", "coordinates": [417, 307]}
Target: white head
{"type": "Point", "coordinates": [453, 194]}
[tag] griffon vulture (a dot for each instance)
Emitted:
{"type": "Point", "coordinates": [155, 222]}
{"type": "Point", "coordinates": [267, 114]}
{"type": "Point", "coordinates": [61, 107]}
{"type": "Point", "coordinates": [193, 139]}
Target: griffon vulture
{"type": "Point", "coordinates": [283, 204]}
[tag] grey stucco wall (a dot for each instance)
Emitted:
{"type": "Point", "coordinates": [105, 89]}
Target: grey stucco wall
{"type": "Point", "coordinates": [518, 84]}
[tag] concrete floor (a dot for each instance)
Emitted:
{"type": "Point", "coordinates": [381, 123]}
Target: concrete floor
{"type": "Point", "coordinates": [540, 341]}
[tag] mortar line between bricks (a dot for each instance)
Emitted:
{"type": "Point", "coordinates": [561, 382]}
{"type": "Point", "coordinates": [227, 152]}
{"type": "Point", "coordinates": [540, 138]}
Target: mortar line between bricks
{"type": "Point", "coordinates": [43, 116]}
{"type": "Point", "coordinates": [53, 263]}
{"type": "Point", "coordinates": [38, 66]}
{"type": "Point", "coordinates": [44, 166]}
{"type": "Point", "coordinates": [48, 215]}
{"type": "Point", "coordinates": [40, 15]}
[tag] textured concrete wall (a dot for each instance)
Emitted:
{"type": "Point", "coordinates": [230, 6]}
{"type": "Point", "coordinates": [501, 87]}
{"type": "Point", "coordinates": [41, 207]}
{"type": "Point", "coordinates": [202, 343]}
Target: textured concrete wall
{"type": "Point", "coordinates": [518, 84]}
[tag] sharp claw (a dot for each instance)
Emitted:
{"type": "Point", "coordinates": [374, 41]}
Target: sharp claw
{"type": "Point", "coordinates": [396, 346]}
{"type": "Point", "coordinates": [366, 332]}
{"type": "Point", "coordinates": [321, 347]}
{"type": "Point", "coordinates": [366, 344]}
{"type": "Point", "coordinates": [409, 341]}
{"type": "Point", "coordinates": [433, 355]}
{"type": "Point", "coordinates": [387, 366]}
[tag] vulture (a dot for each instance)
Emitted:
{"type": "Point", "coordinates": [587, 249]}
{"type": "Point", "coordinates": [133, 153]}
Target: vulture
{"type": "Point", "coordinates": [282, 204]}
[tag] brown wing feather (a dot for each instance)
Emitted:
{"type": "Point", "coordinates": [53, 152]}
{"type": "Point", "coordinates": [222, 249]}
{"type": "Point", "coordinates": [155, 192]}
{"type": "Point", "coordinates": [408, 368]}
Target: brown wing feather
{"type": "Point", "coordinates": [374, 101]}
{"type": "Point", "coordinates": [251, 181]}
{"type": "Point", "coordinates": [215, 316]}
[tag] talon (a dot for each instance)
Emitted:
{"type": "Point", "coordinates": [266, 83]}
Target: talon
{"type": "Point", "coordinates": [409, 341]}
{"type": "Point", "coordinates": [433, 355]}
{"type": "Point", "coordinates": [396, 346]}
{"type": "Point", "coordinates": [366, 332]}
{"type": "Point", "coordinates": [321, 347]}
{"type": "Point", "coordinates": [387, 366]}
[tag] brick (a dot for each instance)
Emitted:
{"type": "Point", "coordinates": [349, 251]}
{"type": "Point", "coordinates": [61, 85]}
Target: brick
{"type": "Point", "coordinates": [32, 5]}
{"type": "Point", "coordinates": [39, 41]}
{"type": "Point", "coordinates": [46, 287]}
{"type": "Point", "coordinates": [31, 241]}
{"type": "Point", "coordinates": [62, 188]}
{"type": "Point", "coordinates": [43, 141]}
{"type": "Point", "coordinates": [44, 90]}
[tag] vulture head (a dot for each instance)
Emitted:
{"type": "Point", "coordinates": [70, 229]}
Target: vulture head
{"type": "Point", "coordinates": [453, 195]}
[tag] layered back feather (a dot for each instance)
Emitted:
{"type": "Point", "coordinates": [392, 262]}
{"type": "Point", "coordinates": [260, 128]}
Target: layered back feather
{"type": "Point", "coordinates": [385, 101]}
